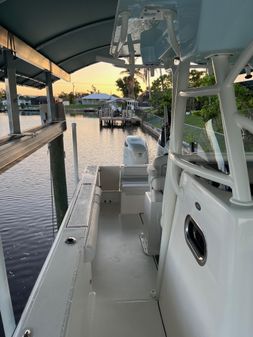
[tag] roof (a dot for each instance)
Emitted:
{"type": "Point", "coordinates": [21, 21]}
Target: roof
{"type": "Point", "coordinates": [99, 97]}
{"type": "Point", "coordinates": [70, 34]}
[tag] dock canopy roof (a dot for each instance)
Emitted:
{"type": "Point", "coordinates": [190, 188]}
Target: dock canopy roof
{"type": "Point", "coordinates": [70, 34]}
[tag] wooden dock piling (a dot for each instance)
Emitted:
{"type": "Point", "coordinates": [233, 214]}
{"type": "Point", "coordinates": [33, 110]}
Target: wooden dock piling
{"type": "Point", "coordinates": [57, 165]}
{"type": "Point", "coordinates": [57, 156]}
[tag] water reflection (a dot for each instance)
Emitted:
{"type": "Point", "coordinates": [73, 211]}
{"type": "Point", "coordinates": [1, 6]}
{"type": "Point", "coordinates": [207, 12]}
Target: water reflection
{"type": "Point", "coordinates": [26, 122]}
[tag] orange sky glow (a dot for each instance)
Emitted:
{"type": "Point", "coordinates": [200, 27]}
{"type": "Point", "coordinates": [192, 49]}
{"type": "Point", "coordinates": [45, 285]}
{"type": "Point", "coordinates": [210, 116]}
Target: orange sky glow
{"type": "Point", "coordinates": [101, 75]}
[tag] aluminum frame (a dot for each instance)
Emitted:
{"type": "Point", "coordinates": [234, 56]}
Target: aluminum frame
{"type": "Point", "coordinates": [30, 55]}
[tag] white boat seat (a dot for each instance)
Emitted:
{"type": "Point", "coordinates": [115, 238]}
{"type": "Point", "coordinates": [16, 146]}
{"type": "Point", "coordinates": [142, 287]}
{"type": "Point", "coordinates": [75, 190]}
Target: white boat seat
{"type": "Point", "coordinates": [134, 179]}
{"type": "Point", "coordinates": [158, 167]}
{"type": "Point", "coordinates": [153, 205]}
{"type": "Point", "coordinates": [156, 174]}
{"type": "Point", "coordinates": [134, 184]}
{"type": "Point", "coordinates": [133, 171]}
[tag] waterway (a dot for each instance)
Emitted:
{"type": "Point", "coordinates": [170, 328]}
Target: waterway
{"type": "Point", "coordinates": [27, 217]}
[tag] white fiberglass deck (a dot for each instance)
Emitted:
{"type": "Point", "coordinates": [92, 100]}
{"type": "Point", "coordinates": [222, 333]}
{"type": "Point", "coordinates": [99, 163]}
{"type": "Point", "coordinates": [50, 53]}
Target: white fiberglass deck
{"type": "Point", "coordinates": [109, 296]}
{"type": "Point", "coordinates": [123, 277]}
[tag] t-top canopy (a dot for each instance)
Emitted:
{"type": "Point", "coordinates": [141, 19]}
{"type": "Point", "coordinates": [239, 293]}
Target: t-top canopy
{"type": "Point", "coordinates": [162, 31]}
{"type": "Point", "coordinates": [70, 34]}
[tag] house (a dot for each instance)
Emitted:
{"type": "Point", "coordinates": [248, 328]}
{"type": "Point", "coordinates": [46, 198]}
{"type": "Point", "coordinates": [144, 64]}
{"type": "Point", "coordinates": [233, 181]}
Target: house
{"type": "Point", "coordinates": [39, 100]}
{"type": "Point", "coordinates": [97, 98]}
{"type": "Point", "coordinates": [24, 101]}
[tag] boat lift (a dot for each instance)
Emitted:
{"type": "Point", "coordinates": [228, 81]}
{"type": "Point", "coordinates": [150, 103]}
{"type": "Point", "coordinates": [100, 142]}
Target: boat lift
{"type": "Point", "coordinates": [120, 111]}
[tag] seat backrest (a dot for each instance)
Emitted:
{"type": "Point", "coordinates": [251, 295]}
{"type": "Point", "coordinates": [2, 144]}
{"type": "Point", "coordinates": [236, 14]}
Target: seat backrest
{"type": "Point", "coordinates": [133, 171]}
{"type": "Point", "coordinates": [157, 173]}
{"type": "Point", "coordinates": [134, 179]}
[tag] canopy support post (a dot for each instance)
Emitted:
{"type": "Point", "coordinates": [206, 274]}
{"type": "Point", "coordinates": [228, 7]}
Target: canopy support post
{"type": "Point", "coordinates": [232, 133]}
{"type": "Point", "coordinates": [11, 93]}
{"type": "Point", "coordinates": [50, 99]}
{"type": "Point", "coordinates": [180, 76]}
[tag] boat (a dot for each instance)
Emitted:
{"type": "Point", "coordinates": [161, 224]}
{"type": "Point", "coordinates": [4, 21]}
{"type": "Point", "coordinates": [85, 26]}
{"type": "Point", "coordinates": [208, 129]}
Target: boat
{"type": "Point", "coordinates": [171, 254]}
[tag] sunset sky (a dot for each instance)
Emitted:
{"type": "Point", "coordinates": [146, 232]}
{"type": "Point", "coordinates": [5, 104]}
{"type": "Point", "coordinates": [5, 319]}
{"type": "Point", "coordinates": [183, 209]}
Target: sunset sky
{"type": "Point", "coordinates": [102, 75]}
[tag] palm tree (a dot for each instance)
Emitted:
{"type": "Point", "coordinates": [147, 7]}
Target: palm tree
{"type": "Point", "coordinates": [124, 86]}
{"type": "Point", "coordinates": [131, 73]}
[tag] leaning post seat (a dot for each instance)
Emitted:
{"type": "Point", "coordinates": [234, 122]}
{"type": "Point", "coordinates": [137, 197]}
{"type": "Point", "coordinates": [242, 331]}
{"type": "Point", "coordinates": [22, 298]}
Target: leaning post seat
{"type": "Point", "coordinates": [156, 174]}
{"type": "Point", "coordinates": [153, 205]}
{"type": "Point", "coordinates": [133, 185]}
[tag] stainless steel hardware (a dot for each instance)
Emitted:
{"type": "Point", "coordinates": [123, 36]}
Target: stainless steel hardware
{"type": "Point", "coordinates": [195, 240]}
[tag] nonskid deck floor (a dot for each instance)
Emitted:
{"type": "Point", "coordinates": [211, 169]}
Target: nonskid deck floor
{"type": "Point", "coordinates": [123, 277]}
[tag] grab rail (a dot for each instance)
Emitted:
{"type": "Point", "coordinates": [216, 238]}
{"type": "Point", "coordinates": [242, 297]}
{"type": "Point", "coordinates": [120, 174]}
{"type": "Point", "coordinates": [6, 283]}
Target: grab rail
{"type": "Point", "coordinates": [244, 122]}
{"type": "Point", "coordinates": [218, 177]}
{"type": "Point", "coordinates": [203, 91]}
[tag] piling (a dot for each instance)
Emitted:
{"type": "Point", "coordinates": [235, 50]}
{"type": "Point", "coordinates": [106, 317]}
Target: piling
{"type": "Point", "coordinates": [57, 165]}
{"type": "Point", "coordinates": [11, 92]}
{"type": "Point", "coordinates": [57, 155]}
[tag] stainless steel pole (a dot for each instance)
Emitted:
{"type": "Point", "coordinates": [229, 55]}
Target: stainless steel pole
{"type": "Point", "coordinates": [75, 154]}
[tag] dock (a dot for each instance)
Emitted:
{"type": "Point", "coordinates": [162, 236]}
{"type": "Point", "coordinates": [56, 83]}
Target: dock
{"type": "Point", "coordinates": [154, 132]}
{"type": "Point", "coordinates": [109, 121]}
{"type": "Point", "coordinates": [118, 112]}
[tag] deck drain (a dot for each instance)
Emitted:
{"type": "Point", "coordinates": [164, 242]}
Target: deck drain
{"type": "Point", "coordinates": [70, 240]}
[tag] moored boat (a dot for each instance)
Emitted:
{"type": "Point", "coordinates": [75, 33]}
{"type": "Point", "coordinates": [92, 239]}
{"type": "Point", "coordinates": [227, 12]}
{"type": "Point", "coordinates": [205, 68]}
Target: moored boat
{"type": "Point", "coordinates": [194, 215]}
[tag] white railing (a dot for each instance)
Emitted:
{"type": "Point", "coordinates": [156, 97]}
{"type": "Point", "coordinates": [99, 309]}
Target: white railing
{"type": "Point", "coordinates": [201, 171]}
{"type": "Point", "coordinates": [232, 124]}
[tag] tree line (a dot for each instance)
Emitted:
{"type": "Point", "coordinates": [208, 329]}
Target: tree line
{"type": "Point", "coordinates": [205, 107]}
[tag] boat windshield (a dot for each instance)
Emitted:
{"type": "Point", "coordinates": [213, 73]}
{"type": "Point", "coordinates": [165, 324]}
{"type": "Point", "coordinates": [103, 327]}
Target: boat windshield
{"type": "Point", "coordinates": [248, 147]}
{"type": "Point", "coordinates": [204, 142]}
